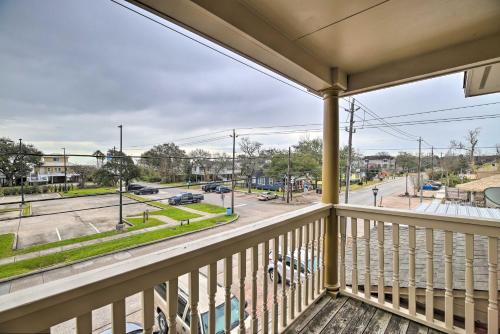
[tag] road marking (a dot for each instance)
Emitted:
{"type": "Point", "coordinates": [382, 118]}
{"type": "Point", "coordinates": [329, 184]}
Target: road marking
{"type": "Point", "coordinates": [239, 205]}
{"type": "Point", "coordinates": [58, 234]}
{"type": "Point", "coordinates": [95, 228]}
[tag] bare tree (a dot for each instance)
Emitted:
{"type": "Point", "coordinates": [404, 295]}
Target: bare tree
{"type": "Point", "coordinates": [220, 162]}
{"type": "Point", "coordinates": [249, 159]}
{"type": "Point", "coordinates": [202, 159]}
{"type": "Point", "coordinates": [470, 146]}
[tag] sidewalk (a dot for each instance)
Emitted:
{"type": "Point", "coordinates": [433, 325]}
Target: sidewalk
{"type": "Point", "coordinates": [168, 223]}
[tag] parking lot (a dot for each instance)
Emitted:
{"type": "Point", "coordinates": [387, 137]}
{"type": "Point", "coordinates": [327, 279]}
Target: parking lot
{"type": "Point", "coordinates": [53, 225]}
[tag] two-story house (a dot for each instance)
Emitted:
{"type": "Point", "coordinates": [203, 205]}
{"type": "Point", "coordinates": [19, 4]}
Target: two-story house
{"type": "Point", "coordinates": [52, 170]}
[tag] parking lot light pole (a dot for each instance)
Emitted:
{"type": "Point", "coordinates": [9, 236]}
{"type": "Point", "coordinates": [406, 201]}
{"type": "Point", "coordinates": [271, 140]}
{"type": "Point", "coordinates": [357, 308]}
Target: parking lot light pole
{"type": "Point", "coordinates": [65, 175]}
{"type": "Point", "coordinates": [120, 221]}
{"type": "Point", "coordinates": [22, 176]}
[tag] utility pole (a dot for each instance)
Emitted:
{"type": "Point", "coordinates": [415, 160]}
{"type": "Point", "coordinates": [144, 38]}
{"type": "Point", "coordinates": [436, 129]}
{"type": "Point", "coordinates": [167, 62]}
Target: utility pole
{"type": "Point", "coordinates": [65, 176]}
{"type": "Point", "coordinates": [120, 222]}
{"type": "Point", "coordinates": [22, 176]}
{"type": "Point", "coordinates": [432, 162]}
{"type": "Point", "coordinates": [233, 181]}
{"type": "Point", "coordinates": [419, 167]}
{"type": "Point", "coordinates": [351, 130]}
{"type": "Point", "coordinates": [289, 177]}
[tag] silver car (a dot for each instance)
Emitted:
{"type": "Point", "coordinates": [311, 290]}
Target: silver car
{"type": "Point", "coordinates": [278, 273]}
{"type": "Point", "coordinates": [184, 312]}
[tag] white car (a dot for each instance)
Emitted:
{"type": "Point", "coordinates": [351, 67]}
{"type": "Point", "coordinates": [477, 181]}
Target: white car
{"type": "Point", "coordinates": [184, 312]}
{"type": "Point", "coordinates": [278, 274]}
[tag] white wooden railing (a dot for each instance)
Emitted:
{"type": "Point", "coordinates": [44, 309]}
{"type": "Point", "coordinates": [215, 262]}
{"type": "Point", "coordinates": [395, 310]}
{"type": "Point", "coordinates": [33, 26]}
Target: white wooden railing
{"type": "Point", "coordinates": [39, 308]}
{"type": "Point", "coordinates": [455, 243]}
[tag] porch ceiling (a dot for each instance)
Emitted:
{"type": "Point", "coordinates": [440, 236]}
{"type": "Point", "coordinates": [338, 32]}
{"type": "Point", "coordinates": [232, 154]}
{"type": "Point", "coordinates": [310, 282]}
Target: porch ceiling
{"type": "Point", "coordinates": [357, 45]}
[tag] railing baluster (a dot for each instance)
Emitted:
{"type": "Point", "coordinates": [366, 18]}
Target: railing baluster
{"type": "Point", "coordinates": [380, 237]}
{"type": "Point", "coordinates": [228, 280]}
{"type": "Point", "coordinates": [313, 264]}
{"type": "Point", "coordinates": [469, 283]}
{"type": "Point", "coordinates": [293, 272]}
{"type": "Point", "coordinates": [493, 285]}
{"type": "Point", "coordinates": [368, 283]}
{"type": "Point", "coordinates": [84, 323]}
{"type": "Point", "coordinates": [448, 279]}
{"type": "Point", "coordinates": [284, 249]}
{"type": "Point", "coordinates": [118, 321]}
{"type": "Point", "coordinates": [172, 291]}
{"type": "Point", "coordinates": [429, 286]}
{"type": "Point", "coordinates": [354, 235]}
{"type": "Point", "coordinates": [412, 291]}
{"type": "Point", "coordinates": [148, 317]}
{"type": "Point", "coordinates": [322, 242]}
{"type": "Point", "coordinates": [212, 288]}
{"type": "Point", "coordinates": [299, 269]}
{"type": "Point", "coordinates": [395, 266]}
{"type": "Point", "coordinates": [194, 294]}
{"type": "Point", "coordinates": [255, 267]}
{"type": "Point", "coordinates": [275, 285]}
{"type": "Point", "coordinates": [308, 264]}
{"type": "Point", "coordinates": [242, 268]}
{"type": "Point", "coordinates": [342, 252]}
{"type": "Point", "coordinates": [319, 255]}
{"type": "Point", "coordinates": [265, 263]}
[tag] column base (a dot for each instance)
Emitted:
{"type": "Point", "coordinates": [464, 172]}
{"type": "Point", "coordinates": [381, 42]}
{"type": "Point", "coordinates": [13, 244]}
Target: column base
{"type": "Point", "coordinates": [333, 290]}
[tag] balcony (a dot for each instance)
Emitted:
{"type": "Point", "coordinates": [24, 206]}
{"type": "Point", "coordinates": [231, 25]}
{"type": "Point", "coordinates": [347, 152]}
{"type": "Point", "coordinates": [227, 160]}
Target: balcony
{"type": "Point", "coordinates": [392, 293]}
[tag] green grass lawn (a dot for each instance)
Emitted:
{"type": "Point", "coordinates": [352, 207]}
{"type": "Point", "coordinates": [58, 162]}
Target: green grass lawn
{"type": "Point", "coordinates": [205, 207]}
{"type": "Point", "coordinates": [6, 246]}
{"type": "Point", "coordinates": [6, 241]}
{"type": "Point", "coordinates": [88, 191]}
{"type": "Point", "coordinates": [68, 256]}
{"type": "Point", "coordinates": [166, 210]}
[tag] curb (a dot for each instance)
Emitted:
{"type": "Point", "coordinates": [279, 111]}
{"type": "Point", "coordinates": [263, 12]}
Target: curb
{"type": "Point", "coordinates": [32, 273]}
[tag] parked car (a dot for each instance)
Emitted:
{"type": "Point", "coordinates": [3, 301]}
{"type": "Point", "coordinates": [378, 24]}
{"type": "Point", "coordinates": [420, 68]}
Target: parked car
{"type": "Point", "coordinates": [134, 187]}
{"type": "Point", "coordinates": [184, 312]}
{"type": "Point", "coordinates": [185, 198]}
{"type": "Point", "coordinates": [210, 187]}
{"type": "Point", "coordinates": [266, 196]}
{"type": "Point", "coordinates": [222, 189]}
{"type": "Point", "coordinates": [130, 328]}
{"type": "Point", "coordinates": [146, 191]}
{"type": "Point", "coordinates": [277, 273]}
{"type": "Point", "coordinates": [430, 186]}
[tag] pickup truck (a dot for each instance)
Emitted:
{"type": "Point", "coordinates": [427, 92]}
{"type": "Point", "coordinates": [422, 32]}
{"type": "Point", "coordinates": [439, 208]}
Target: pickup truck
{"type": "Point", "coordinates": [185, 198]}
{"type": "Point", "coordinates": [210, 187]}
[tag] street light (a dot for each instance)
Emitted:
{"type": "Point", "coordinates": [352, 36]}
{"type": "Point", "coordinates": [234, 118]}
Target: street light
{"type": "Point", "coordinates": [22, 176]}
{"type": "Point", "coordinates": [375, 192]}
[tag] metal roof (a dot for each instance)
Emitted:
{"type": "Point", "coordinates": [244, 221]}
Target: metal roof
{"type": "Point", "coordinates": [454, 209]}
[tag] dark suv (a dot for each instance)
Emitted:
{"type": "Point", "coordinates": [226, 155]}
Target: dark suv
{"type": "Point", "coordinates": [134, 187]}
{"type": "Point", "coordinates": [146, 191]}
{"type": "Point", "coordinates": [210, 187]}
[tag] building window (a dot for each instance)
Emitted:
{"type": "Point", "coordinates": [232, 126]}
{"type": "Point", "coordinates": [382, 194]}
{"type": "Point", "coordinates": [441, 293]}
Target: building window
{"type": "Point", "coordinates": [262, 180]}
{"type": "Point", "coordinates": [49, 169]}
{"type": "Point", "coordinates": [55, 159]}
{"type": "Point", "coordinates": [271, 181]}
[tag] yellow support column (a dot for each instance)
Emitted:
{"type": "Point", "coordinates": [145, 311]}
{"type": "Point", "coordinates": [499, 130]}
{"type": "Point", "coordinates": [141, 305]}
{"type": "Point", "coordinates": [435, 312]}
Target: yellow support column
{"type": "Point", "coordinates": [330, 187]}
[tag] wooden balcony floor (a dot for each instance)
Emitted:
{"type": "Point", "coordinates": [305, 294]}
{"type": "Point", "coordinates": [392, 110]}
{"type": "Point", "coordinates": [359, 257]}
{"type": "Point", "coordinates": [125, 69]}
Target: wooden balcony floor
{"type": "Point", "coordinates": [348, 315]}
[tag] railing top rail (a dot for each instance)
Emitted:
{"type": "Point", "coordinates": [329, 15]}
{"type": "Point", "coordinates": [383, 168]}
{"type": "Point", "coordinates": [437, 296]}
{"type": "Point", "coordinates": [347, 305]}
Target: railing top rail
{"type": "Point", "coordinates": [75, 295]}
{"type": "Point", "coordinates": [465, 224]}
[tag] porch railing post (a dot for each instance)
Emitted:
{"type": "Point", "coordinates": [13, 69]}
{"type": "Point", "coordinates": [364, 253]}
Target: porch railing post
{"type": "Point", "coordinates": [330, 187]}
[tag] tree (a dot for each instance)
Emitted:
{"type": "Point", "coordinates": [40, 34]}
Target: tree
{"type": "Point", "coordinates": [250, 159]}
{"type": "Point", "coordinates": [471, 141]}
{"type": "Point", "coordinates": [14, 164]}
{"type": "Point", "coordinates": [308, 157]}
{"type": "Point", "coordinates": [220, 163]}
{"type": "Point", "coordinates": [203, 160]}
{"type": "Point", "coordinates": [407, 161]}
{"type": "Point", "coordinates": [166, 159]}
{"type": "Point", "coordinates": [85, 172]}
{"type": "Point", "coordinates": [109, 174]}
{"type": "Point", "coordinates": [99, 156]}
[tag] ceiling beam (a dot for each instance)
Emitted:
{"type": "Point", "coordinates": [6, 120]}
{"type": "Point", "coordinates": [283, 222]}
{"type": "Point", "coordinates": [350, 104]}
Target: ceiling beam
{"type": "Point", "coordinates": [232, 25]}
{"type": "Point", "coordinates": [452, 59]}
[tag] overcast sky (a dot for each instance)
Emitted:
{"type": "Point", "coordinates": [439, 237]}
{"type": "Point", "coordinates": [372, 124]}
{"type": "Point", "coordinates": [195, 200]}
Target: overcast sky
{"type": "Point", "coordinates": [71, 71]}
